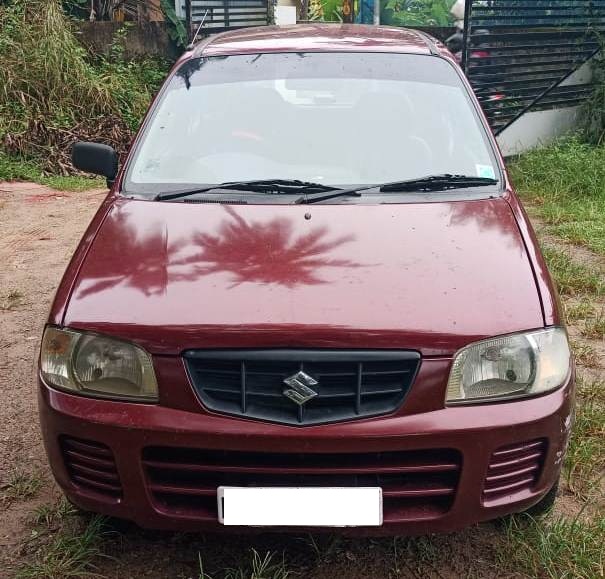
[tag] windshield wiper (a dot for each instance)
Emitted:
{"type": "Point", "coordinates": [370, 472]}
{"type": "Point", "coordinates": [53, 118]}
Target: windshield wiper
{"type": "Point", "coordinates": [438, 183]}
{"type": "Point", "coordinates": [284, 186]}
{"type": "Point", "coordinates": [431, 183]}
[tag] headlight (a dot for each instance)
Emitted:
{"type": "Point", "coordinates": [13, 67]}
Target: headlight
{"type": "Point", "coordinates": [97, 366]}
{"type": "Point", "coordinates": [509, 367]}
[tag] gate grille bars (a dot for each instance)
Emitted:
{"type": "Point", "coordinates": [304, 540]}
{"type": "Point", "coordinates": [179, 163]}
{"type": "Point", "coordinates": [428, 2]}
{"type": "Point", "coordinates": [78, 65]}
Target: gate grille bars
{"type": "Point", "coordinates": [518, 52]}
{"type": "Point", "coordinates": [225, 14]}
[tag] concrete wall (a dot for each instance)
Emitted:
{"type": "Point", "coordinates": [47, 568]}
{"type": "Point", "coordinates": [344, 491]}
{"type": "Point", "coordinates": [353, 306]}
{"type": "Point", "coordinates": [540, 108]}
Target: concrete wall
{"type": "Point", "coordinates": [538, 128]}
{"type": "Point", "coordinates": [145, 39]}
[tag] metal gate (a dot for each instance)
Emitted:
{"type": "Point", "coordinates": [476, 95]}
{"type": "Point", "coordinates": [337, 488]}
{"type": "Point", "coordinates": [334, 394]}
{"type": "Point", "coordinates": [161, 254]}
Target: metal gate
{"type": "Point", "coordinates": [518, 52]}
{"type": "Point", "coordinates": [225, 14]}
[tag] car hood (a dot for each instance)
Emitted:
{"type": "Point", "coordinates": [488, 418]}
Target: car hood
{"type": "Point", "coordinates": [426, 276]}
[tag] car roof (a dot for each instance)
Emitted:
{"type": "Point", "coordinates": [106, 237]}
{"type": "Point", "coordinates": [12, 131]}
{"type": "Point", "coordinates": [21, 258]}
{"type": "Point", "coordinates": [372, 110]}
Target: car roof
{"type": "Point", "coordinates": [318, 37]}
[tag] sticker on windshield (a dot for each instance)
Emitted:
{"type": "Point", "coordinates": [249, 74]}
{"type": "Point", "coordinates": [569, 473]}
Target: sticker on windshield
{"type": "Point", "coordinates": [486, 171]}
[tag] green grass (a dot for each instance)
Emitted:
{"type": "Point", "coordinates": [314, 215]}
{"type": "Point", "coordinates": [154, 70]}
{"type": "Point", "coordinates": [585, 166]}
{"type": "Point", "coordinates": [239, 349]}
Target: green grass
{"type": "Point", "coordinates": [565, 183]}
{"type": "Point", "coordinates": [267, 566]}
{"type": "Point", "coordinates": [573, 278]}
{"type": "Point", "coordinates": [49, 516]}
{"type": "Point", "coordinates": [71, 553]}
{"type": "Point", "coordinates": [579, 311]}
{"type": "Point", "coordinates": [585, 459]}
{"type": "Point", "coordinates": [585, 354]}
{"type": "Point", "coordinates": [594, 326]}
{"type": "Point", "coordinates": [18, 169]}
{"type": "Point", "coordinates": [22, 485]}
{"type": "Point", "coordinates": [555, 549]}
{"type": "Point", "coordinates": [578, 221]}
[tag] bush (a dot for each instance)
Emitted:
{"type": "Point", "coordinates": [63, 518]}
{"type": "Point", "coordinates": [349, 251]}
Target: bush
{"type": "Point", "coordinates": [417, 12]}
{"type": "Point", "coordinates": [592, 114]}
{"type": "Point", "coordinates": [52, 92]}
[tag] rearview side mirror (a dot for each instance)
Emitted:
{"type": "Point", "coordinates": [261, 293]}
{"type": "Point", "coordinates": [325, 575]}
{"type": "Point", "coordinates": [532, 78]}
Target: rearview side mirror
{"type": "Point", "coordinates": [95, 158]}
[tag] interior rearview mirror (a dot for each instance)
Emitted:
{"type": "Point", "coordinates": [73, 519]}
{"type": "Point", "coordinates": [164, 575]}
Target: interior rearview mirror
{"type": "Point", "coordinates": [95, 158]}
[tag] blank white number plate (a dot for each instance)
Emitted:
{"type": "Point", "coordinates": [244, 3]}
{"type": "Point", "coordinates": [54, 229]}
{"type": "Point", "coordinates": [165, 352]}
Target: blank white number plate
{"type": "Point", "coordinates": [300, 506]}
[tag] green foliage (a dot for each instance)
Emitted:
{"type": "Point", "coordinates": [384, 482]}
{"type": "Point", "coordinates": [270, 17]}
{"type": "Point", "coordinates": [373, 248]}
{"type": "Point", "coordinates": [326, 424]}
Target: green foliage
{"type": "Point", "coordinates": [52, 515]}
{"type": "Point", "coordinates": [562, 548]}
{"type": "Point", "coordinates": [71, 553]}
{"type": "Point", "coordinates": [132, 83]}
{"type": "Point", "coordinates": [417, 12]}
{"type": "Point", "coordinates": [565, 183]}
{"type": "Point", "coordinates": [592, 114]}
{"type": "Point", "coordinates": [316, 10]}
{"type": "Point", "coordinates": [52, 92]}
{"type": "Point", "coordinates": [573, 278]}
{"type": "Point", "coordinates": [41, 58]}
{"type": "Point", "coordinates": [21, 485]}
{"type": "Point", "coordinates": [177, 29]}
{"type": "Point", "coordinates": [260, 567]}
{"type": "Point", "coordinates": [567, 168]}
{"type": "Point", "coordinates": [76, 8]}
{"type": "Point", "coordinates": [14, 168]}
{"type": "Point", "coordinates": [332, 10]}
{"type": "Point", "coordinates": [585, 459]}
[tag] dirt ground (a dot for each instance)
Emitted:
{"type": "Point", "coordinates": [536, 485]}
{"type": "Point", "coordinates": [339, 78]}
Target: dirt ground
{"type": "Point", "coordinates": [39, 229]}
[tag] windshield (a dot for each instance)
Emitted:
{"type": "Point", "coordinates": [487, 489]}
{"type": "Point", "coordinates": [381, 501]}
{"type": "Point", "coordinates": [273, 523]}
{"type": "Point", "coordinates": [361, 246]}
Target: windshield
{"type": "Point", "coordinates": [342, 119]}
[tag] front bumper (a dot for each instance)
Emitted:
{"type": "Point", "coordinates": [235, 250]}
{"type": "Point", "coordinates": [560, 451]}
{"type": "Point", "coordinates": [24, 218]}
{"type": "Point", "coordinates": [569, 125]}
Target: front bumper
{"type": "Point", "coordinates": [128, 432]}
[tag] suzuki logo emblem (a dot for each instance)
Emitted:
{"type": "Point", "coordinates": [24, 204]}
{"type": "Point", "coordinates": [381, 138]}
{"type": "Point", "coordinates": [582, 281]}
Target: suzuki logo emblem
{"type": "Point", "coordinates": [300, 390]}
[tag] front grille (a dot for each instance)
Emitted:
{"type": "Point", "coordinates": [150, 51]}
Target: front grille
{"type": "Point", "coordinates": [91, 465]}
{"type": "Point", "coordinates": [416, 484]}
{"type": "Point", "coordinates": [513, 469]}
{"type": "Point", "coordinates": [349, 384]}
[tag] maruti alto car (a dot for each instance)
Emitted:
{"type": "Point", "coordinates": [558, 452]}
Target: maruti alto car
{"type": "Point", "coordinates": [311, 299]}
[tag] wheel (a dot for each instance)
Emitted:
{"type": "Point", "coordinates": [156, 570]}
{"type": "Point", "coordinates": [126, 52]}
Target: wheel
{"type": "Point", "coordinates": [115, 524]}
{"type": "Point", "coordinates": [537, 511]}
{"type": "Point", "coordinates": [545, 504]}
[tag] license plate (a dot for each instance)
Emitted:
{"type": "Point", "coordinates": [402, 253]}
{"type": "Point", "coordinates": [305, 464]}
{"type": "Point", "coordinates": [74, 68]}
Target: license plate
{"type": "Point", "coordinates": [300, 506]}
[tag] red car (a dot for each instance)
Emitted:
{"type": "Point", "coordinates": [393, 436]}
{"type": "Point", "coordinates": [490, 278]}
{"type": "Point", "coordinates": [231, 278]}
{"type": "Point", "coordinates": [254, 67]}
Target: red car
{"type": "Point", "coordinates": [311, 299]}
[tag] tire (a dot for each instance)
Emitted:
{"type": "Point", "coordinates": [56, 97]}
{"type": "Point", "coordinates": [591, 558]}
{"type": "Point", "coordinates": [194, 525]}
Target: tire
{"type": "Point", "coordinates": [77, 509]}
{"type": "Point", "coordinates": [115, 524]}
{"type": "Point", "coordinates": [545, 504]}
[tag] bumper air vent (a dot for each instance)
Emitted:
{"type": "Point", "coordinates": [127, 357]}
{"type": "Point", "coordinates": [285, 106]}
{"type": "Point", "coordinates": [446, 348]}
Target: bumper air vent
{"type": "Point", "coordinates": [91, 466]}
{"type": "Point", "coordinates": [513, 469]}
{"type": "Point", "coordinates": [417, 485]}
